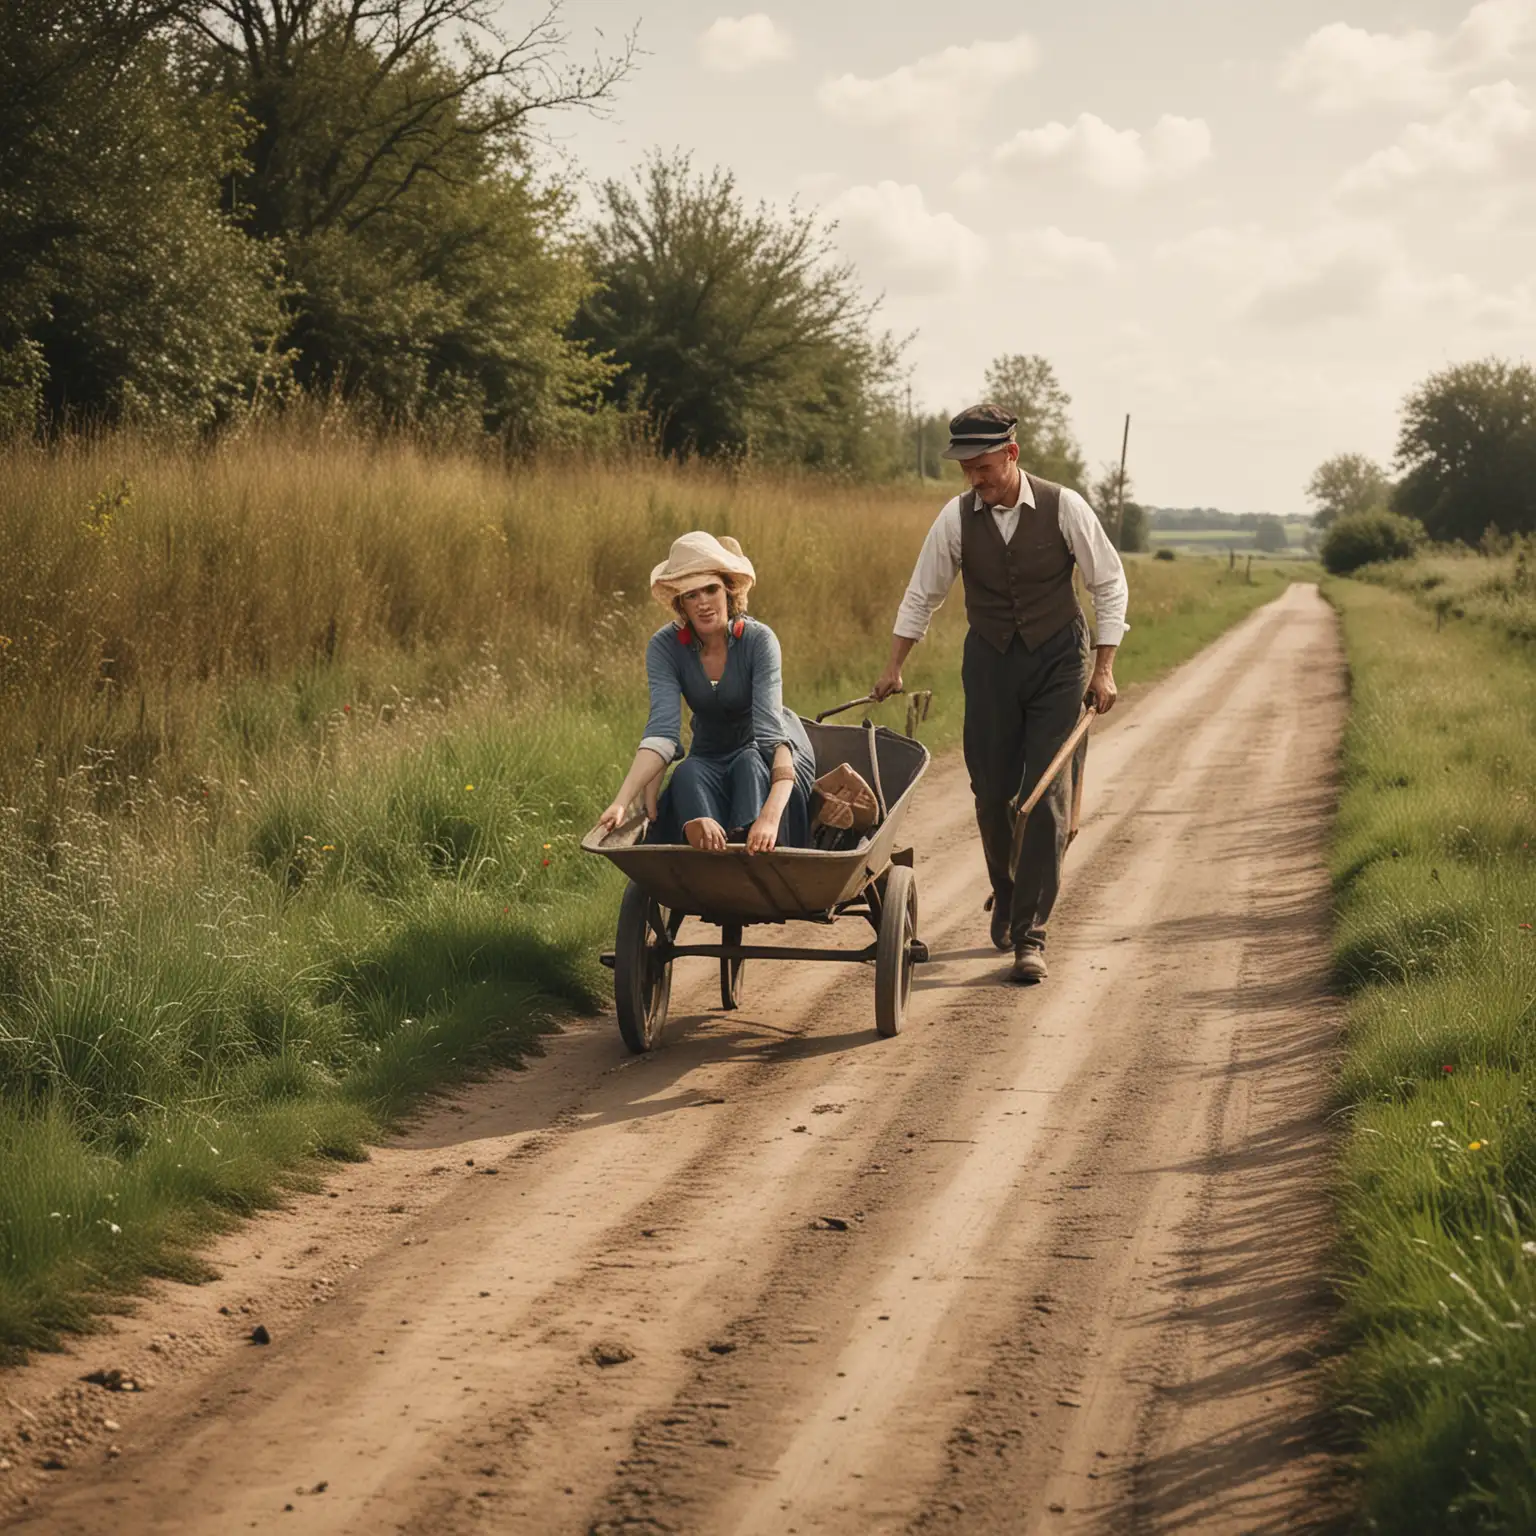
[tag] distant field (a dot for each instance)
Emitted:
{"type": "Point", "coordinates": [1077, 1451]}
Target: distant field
{"type": "Point", "coordinates": [1208, 540]}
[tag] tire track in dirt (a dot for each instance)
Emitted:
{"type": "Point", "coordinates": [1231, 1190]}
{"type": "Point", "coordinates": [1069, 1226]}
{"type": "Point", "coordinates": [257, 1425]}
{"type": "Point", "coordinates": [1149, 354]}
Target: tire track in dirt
{"type": "Point", "coordinates": [1079, 1280]}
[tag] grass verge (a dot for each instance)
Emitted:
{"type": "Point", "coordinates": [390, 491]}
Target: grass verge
{"type": "Point", "coordinates": [301, 740]}
{"type": "Point", "coordinates": [1436, 900]}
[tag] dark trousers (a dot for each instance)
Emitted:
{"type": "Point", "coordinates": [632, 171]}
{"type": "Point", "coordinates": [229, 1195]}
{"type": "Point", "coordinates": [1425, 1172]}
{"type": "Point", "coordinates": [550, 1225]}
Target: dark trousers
{"type": "Point", "coordinates": [730, 790]}
{"type": "Point", "coordinates": [1020, 705]}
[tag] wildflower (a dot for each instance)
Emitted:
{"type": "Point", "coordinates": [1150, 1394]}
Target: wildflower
{"type": "Point", "coordinates": [546, 847]}
{"type": "Point", "coordinates": [328, 848]}
{"type": "Point", "coordinates": [1474, 1146]}
{"type": "Point", "coordinates": [545, 865]}
{"type": "Point", "coordinates": [5, 641]}
{"type": "Point", "coordinates": [1529, 1250]}
{"type": "Point", "coordinates": [468, 787]}
{"type": "Point", "coordinates": [346, 709]}
{"type": "Point", "coordinates": [1526, 926]}
{"type": "Point", "coordinates": [1436, 1124]}
{"type": "Point", "coordinates": [1447, 1068]}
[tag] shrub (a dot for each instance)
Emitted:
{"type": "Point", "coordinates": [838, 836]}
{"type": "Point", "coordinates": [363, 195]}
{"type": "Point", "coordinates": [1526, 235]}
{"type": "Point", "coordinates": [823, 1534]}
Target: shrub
{"type": "Point", "coordinates": [1163, 554]}
{"type": "Point", "coordinates": [1365, 537]}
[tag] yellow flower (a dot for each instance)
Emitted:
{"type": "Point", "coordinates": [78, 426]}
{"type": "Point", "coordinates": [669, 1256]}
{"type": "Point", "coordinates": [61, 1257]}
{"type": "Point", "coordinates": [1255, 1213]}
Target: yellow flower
{"type": "Point", "coordinates": [328, 848]}
{"type": "Point", "coordinates": [546, 845]}
{"type": "Point", "coordinates": [468, 787]}
{"type": "Point", "coordinates": [1474, 1146]}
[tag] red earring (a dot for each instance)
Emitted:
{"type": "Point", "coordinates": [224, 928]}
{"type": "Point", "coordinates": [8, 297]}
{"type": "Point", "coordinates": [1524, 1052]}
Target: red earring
{"type": "Point", "coordinates": [685, 636]}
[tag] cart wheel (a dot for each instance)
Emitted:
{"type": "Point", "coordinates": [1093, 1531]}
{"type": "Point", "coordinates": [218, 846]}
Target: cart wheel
{"type": "Point", "coordinates": [893, 949]}
{"type": "Point", "coordinates": [730, 970]}
{"type": "Point", "coordinates": [642, 984]}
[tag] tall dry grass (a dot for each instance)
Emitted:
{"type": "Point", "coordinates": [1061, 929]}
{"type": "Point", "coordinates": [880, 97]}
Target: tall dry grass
{"type": "Point", "coordinates": [143, 590]}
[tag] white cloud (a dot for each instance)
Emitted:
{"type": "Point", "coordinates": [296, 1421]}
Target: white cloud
{"type": "Point", "coordinates": [1337, 272]}
{"type": "Point", "coordinates": [733, 44]}
{"type": "Point", "coordinates": [1052, 253]}
{"type": "Point", "coordinates": [1340, 67]}
{"type": "Point", "coordinates": [1477, 137]}
{"type": "Point", "coordinates": [1112, 157]}
{"type": "Point", "coordinates": [890, 232]}
{"type": "Point", "coordinates": [1330, 273]}
{"type": "Point", "coordinates": [943, 95]}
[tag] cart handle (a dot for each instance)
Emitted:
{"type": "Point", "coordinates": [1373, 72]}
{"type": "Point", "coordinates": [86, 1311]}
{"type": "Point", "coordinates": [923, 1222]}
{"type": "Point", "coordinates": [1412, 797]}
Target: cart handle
{"type": "Point", "coordinates": [920, 697]}
{"type": "Point", "coordinates": [1049, 777]}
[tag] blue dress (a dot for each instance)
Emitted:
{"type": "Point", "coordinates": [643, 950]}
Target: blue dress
{"type": "Point", "coordinates": [738, 724]}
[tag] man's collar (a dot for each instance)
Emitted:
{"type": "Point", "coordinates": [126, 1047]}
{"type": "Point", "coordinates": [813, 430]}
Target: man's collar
{"type": "Point", "coordinates": [1026, 496]}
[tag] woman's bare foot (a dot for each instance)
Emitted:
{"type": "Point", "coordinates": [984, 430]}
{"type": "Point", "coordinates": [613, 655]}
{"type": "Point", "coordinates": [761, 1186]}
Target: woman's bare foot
{"type": "Point", "coordinates": [705, 834]}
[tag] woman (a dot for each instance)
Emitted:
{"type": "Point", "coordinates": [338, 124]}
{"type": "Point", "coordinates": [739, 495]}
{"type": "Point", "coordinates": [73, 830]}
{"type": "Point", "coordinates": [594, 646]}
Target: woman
{"type": "Point", "coordinates": [748, 777]}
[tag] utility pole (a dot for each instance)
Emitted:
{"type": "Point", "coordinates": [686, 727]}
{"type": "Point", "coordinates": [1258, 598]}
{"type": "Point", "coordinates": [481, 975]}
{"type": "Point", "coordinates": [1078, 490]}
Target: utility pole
{"type": "Point", "coordinates": [1125, 443]}
{"type": "Point", "coordinates": [912, 422]}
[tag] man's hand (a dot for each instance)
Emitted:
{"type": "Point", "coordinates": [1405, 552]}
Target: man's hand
{"type": "Point", "coordinates": [1102, 692]}
{"type": "Point", "coordinates": [889, 681]}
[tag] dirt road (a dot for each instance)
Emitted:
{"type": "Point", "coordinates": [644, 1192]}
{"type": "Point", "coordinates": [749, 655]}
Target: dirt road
{"type": "Point", "coordinates": [1073, 1281]}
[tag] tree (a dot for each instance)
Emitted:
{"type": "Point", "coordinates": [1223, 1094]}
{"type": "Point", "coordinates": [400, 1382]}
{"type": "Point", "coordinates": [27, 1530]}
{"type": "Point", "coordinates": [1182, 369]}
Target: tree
{"type": "Point", "coordinates": [390, 163]}
{"type": "Point", "coordinates": [124, 289]}
{"type": "Point", "coordinates": [737, 329]}
{"type": "Point", "coordinates": [1364, 538]}
{"type": "Point", "coordinates": [1026, 386]}
{"type": "Point", "coordinates": [1346, 484]}
{"type": "Point", "coordinates": [1468, 450]}
{"type": "Point", "coordinates": [1270, 535]}
{"type": "Point", "coordinates": [1129, 526]}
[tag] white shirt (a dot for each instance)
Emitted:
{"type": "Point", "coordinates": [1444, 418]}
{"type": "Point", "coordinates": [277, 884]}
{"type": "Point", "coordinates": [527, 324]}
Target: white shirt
{"type": "Point", "coordinates": [938, 563]}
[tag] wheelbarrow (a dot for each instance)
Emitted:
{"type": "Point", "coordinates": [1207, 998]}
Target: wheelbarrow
{"type": "Point", "coordinates": [734, 890]}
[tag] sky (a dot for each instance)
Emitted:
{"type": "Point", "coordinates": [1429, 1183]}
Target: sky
{"type": "Point", "coordinates": [1254, 228]}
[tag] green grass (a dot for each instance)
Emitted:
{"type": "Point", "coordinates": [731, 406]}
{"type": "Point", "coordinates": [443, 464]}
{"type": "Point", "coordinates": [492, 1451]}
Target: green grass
{"type": "Point", "coordinates": [1458, 584]}
{"type": "Point", "coordinates": [299, 750]}
{"type": "Point", "coordinates": [1436, 902]}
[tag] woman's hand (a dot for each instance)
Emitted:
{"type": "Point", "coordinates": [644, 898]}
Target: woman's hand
{"type": "Point", "coordinates": [763, 835]}
{"type": "Point", "coordinates": [618, 812]}
{"type": "Point", "coordinates": [705, 834]}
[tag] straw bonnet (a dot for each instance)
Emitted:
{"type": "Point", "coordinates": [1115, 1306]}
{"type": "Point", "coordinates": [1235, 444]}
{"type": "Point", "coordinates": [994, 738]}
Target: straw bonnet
{"type": "Point", "coordinates": [696, 556]}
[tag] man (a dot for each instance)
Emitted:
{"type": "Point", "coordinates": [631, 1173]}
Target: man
{"type": "Point", "coordinates": [1015, 540]}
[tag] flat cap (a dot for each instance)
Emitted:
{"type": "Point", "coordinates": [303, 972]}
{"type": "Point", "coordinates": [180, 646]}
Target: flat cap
{"type": "Point", "coordinates": [980, 429]}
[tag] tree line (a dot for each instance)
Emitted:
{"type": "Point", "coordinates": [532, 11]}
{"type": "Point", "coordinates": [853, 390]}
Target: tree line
{"type": "Point", "coordinates": [210, 206]}
{"type": "Point", "coordinates": [1465, 470]}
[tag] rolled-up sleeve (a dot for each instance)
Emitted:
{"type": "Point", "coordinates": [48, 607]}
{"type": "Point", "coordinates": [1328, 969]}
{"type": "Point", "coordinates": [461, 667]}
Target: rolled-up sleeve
{"type": "Point", "coordinates": [664, 728]}
{"type": "Point", "coordinates": [938, 563]}
{"type": "Point", "coordinates": [1099, 561]}
{"type": "Point", "coordinates": [768, 728]}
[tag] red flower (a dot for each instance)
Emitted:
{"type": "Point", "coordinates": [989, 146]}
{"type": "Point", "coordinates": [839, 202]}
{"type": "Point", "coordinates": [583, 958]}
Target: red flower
{"type": "Point", "coordinates": [346, 709]}
{"type": "Point", "coordinates": [546, 863]}
{"type": "Point", "coordinates": [1447, 1069]}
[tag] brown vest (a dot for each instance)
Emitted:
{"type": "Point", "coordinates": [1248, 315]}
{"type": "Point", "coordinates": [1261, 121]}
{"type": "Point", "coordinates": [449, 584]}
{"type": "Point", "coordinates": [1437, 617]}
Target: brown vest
{"type": "Point", "coordinates": [1023, 587]}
